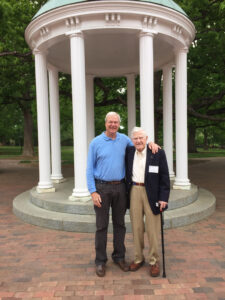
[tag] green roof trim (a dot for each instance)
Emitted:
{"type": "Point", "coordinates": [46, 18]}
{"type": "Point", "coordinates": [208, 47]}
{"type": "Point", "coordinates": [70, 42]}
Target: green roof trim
{"type": "Point", "coordinates": [52, 4]}
{"type": "Point", "coordinates": [167, 3]}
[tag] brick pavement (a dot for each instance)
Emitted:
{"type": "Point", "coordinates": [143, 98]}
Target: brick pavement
{"type": "Point", "coordinates": [39, 263]}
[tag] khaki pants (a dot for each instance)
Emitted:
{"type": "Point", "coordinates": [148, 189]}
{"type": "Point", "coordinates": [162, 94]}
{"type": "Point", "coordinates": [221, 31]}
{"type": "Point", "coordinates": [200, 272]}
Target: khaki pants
{"type": "Point", "coordinates": [139, 206]}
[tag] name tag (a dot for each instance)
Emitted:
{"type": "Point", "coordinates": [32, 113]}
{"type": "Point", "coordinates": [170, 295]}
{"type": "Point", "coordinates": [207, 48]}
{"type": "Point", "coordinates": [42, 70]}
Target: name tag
{"type": "Point", "coordinates": [153, 169]}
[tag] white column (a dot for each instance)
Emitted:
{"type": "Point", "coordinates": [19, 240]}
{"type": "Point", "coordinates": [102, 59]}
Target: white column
{"type": "Point", "coordinates": [55, 125]}
{"type": "Point", "coordinates": [131, 102]}
{"type": "Point", "coordinates": [45, 183]}
{"type": "Point", "coordinates": [79, 116]}
{"type": "Point", "coordinates": [168, 117]}
{"type": "Point", "coordinates": [181, 179]}
{"type": "Point", "coordinates": [147, 83]}
{"type": "Point", "coordinates": [90, 108]}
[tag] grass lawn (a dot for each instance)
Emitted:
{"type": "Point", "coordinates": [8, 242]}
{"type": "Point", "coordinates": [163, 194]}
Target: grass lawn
{"type": "Point", "coordinates": [14, 152]}
{"type": "Point", "coordinates": [207, 153]}
{"type": "Point", "coordinates": [10, 151]}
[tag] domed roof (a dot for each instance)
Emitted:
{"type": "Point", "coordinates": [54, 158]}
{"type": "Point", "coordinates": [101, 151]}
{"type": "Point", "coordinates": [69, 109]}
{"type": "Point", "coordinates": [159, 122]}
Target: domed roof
{"type": "Point", "coordinates": [52, 4]}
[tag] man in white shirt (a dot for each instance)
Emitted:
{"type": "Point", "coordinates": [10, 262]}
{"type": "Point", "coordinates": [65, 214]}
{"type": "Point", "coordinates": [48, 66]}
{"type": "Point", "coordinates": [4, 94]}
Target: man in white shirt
{"type": "Point", "coordinates": [148, 185]}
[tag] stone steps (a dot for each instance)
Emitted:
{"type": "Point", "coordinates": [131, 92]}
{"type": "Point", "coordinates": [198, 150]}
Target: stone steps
{"type": "Point", "coordinates": [203, 207]}
{"type": "Point", "coordinates": [59, 201]}
{"type": "Point", "coordinates": [54, 211]}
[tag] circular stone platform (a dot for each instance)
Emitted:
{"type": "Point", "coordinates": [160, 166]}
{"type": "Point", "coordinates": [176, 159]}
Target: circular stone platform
{"type": "Point", "coordinates": [55, 211]}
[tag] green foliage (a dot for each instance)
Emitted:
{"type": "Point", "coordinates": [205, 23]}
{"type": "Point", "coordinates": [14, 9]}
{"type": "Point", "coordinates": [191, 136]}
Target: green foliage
{"type": "Point", "coordinates": [66, 109]}
{"type": "Point", "coordinates": [110, 98]}
{"type": "Point", "coordinates": [206, 77]}
{"type": "Point", "coordinates": [206, 65]}
{"type": "Point", "coordinates": [11, 125]}
{"type": "Point", "coordinates": [216, 152]}
{"type": "Point", "coordinates": [17, 90]}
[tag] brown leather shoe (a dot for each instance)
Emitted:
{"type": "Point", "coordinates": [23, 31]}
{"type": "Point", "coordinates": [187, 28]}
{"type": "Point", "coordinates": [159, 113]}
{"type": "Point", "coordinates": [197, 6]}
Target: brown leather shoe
{"type": "Point", "coordinates": [123, 265]}
{"type": "Point", "coordinates": [154, 270]}
{"type": "Point", "coordinates": [100, 270]}
{"type": "Point", "coordinates": [134, 267]}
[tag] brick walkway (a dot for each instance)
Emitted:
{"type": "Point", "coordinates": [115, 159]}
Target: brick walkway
{"type": "Point", "coordinates": [40, 263]}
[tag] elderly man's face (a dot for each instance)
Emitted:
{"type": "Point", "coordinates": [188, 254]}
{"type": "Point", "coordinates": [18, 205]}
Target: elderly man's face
{"type": "Point", "coordinates": [139, 140]}
{"type": "Point", "coordinates": [112, 124]}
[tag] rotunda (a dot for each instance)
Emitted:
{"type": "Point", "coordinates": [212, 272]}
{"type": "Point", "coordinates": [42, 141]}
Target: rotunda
{"type": "Point", "coordinates": [108, 38]}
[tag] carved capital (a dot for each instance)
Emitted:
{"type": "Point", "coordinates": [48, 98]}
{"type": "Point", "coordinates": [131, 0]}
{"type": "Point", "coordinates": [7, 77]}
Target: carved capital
{"type": "Point", "coordinates": [36, 51]}
{"type": "Point", "coordinates": [168, 67]}
{"type": "Point", "coordinates": [151, 33]}
{"type": "Point", "coordinates": [52, 68]}
{"type": "Point", "coordinates": [131, 75]}
{"type": "Point", "coordinates": [75, 33]}
{"type": "Point", "coordinates": [187, 42]}
{"type": "Point", "coordinates": [40, 52]}
{"type": "Point", "coordinates": [33, 44]}
{"type": "Point", "coordinates": [181, 50]}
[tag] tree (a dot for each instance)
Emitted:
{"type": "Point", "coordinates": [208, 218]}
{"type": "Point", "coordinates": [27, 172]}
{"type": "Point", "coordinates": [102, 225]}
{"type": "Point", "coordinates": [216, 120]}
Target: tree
{"type": "Point", "coordinates": [206, 65]}
{"type": "Point", "coordinates": [110, 95]}
{"type": "Point", "coordinates": [16, 64]}
{"type": "Point", "coordinates": [206, 79]}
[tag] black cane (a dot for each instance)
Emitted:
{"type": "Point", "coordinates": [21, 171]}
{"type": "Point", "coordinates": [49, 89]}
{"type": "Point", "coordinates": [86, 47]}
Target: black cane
{"type": "Point", "coordinates": [163, 251]}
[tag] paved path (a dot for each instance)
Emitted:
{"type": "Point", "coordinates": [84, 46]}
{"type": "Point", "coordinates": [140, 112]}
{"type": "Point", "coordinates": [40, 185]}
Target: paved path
{"type": "Point", "coordinates": [39, 263]}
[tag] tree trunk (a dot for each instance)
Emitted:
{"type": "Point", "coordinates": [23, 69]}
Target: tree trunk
{"type": "Point", "coordinates": [28, 146]}
{"type": "Point", "coordinates": [191, 139]}
{"type": "Point", "coordinates": [205, 145]}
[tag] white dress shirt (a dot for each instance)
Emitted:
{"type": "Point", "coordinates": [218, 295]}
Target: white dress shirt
{"type": "Point", "coordinates": [139, 166]}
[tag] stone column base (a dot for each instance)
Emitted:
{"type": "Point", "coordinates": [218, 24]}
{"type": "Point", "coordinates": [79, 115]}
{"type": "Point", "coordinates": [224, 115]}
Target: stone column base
{"type": "Point", "coordinates": [172, 176]}
{"type": "Point", "coordinates": [58, 180]}
{"type": "Point", "coordinates": [80, 199]}
{"type": "Point", "coordinates": [45, 190]}
{"type": "Point", "coordinates": [181, 186]}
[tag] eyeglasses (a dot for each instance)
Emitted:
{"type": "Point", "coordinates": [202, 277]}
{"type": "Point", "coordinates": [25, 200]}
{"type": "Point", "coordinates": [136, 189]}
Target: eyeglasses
{"type": "Point", "coordinates": [138, 138]}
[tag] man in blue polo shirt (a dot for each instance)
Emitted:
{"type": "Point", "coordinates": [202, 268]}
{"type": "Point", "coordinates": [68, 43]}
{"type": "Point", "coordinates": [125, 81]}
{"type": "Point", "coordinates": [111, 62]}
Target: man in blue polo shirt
{"type": "Point", "coordinates": [105, 179]}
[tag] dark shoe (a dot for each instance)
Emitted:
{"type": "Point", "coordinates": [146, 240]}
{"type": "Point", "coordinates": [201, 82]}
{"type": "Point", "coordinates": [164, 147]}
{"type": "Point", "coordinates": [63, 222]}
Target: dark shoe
{"type": "Point", "coordinates": [123, 265]}
{"type": "Point", "coordinates": [154, 270]}
{"type": "Point", "coordinates": [100, 270]}
{"type": "Point", "coordinates": [134, 267]}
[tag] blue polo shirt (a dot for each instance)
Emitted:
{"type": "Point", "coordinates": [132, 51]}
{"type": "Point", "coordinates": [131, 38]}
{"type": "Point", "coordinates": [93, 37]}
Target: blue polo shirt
{"type": "Point", "coordinates": [106, 159]}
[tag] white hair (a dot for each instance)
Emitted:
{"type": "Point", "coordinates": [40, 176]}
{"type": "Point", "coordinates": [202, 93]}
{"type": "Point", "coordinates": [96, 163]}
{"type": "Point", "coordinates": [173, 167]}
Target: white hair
{"type": "Point", "coordinates": [112, 113]}
{"type": "Point", "coordinates": [137, 129]}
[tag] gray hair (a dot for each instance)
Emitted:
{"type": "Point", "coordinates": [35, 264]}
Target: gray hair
{"type": "Point", "coordinates": [112, 113]}
{"type": "Point", "coordinates": [137, 129]}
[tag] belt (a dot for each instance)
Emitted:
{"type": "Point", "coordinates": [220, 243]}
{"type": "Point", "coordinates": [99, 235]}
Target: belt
{"type": "Point", "coordinates": [138, 183]}
{"type": "Point", "coordinates": [109, 182]}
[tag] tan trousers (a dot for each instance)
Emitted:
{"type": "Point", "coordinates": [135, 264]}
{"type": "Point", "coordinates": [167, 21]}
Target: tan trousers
{"type": "Point", "coordinates": [139, 206]}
